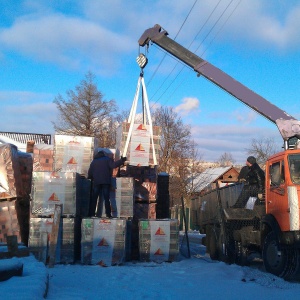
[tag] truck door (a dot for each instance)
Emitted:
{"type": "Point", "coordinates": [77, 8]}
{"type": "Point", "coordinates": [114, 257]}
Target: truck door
{"type": "Point", "coordinates": [276, 194]}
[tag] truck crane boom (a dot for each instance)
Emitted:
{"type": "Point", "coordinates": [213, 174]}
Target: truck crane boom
{"type": "Point", "coordinates": [288, 126]}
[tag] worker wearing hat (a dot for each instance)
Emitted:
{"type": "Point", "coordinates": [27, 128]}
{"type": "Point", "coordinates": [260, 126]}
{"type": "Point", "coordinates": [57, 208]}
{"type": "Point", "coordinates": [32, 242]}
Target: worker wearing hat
{"type": "Point", "coordinates": [100, 172]}
{"type": "Point", "coordinates": [253, 178]}
{"type": "Point", "coordinates": [256, 178]}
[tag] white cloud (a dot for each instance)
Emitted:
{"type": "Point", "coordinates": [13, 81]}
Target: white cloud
{"type": "Point", "coordinates": [28, 117]}
{"type": "Point", "coordinates": [17, 97]}
{"type": "Point", "coordinates": [269, 24]}
{"type": "Point", "coordinates": [189, 105]}
{"type": "Point", "coordinates": [214, 140]}
{"type": "Point", "coordinates": [245, 117]}
{"type": "Point", "coordinates": [68, 41]}
{"type": "Point", "coordinates": [104, 32]}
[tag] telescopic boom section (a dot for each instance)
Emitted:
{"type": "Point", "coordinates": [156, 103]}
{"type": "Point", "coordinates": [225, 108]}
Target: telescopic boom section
{"type": "Point", "coordinates": [288, 126]}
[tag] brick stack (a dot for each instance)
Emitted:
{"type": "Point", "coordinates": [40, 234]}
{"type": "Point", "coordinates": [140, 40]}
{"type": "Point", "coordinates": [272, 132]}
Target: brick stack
{"type": "Point", "coordinates": [122, 194]}
{"type": "Point", "coordinates": [50, 188]}
{"type": "Point", "coordinates": [64, 184]}
{"type": "Point", "coordinates": [15, 183]}
{"type": "Point", "coordinates": [103, 241]}
{"type": "Point", "coordinates": [107, 242]}
{"type": "Point", "coordinates": [68, 248]}
{"type": "Point", "coordinates": [163, 196]}
{"type": "Point", "coordinates": [159, 240]}
{"type": "Point", "coordinates": [9, 224]}
{"type": "Point", "coordinates": [43, 157]}
{"type": "Point", "coordinates": [73, 153]}
{"type": "Point", "coordinates": [11, 185]}
{"type": "Point", "coordinates": [140, 153]}
{"type": "Point", "coordinates": [141, 167]}
{"type": "Point", "coordinates": [26, 168]}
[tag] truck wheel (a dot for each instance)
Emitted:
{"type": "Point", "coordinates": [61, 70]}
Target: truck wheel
{"type": "Point", "coordinates": [293, 272]}
{"type": "Point", "coordinates": [274, 257]}
{"type": "Point", "coordinates": [241, 254]}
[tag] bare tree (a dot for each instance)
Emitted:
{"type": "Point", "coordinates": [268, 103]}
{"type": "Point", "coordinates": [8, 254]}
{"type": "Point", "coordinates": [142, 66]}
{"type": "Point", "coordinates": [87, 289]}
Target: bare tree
{"type": "Point", "coordinates": [179, 156]}
{"type": "Point", "coordinates": [226, 159]}
{"type": "Point", "coordinates": [84, 112]}
{"type": "Point", "coordinates": [262, 149]}
{"type": "Point", "coordinates": [175, 137]}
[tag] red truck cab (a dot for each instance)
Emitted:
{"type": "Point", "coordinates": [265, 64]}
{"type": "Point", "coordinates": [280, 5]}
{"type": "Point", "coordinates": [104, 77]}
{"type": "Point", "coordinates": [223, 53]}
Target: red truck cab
{"type": "Point", "coordinates": [283, 189]}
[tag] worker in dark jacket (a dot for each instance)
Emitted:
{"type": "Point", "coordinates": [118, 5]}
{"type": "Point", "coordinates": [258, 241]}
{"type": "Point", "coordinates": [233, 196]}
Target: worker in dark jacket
{"type": "Point", "coordinates": [256, 178]}
{"type": "Point", "coordinates": [254, 182]}
{"type": "Point", "coordinates": [100, 172]}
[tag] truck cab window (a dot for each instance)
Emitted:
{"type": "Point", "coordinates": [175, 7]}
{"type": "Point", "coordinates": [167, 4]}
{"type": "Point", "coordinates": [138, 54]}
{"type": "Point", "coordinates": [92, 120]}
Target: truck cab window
{"type": "Point", "coordinates": [294, 167]}
{"type": "Point", "coordinates": [277, 174]}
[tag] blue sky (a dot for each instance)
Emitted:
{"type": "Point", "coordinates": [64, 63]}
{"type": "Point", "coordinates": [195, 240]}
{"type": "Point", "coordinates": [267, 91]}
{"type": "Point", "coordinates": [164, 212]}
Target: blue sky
{"type": "Point", "coordinates": [47, 47]}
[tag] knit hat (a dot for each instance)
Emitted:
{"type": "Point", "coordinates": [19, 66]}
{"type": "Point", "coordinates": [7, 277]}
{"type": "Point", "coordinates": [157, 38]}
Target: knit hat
{"type": "Point", "coordinates": [251, 160]}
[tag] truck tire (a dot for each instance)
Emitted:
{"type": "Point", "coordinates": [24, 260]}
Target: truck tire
{"type": "Point", "coordinates": [293, 272]}
{"type": "Point", "coordinates": [275, 258]}
{"type": "Point", "coordinates": [241, 254]}
{"type": "Point", "coordinates": [226, 245]}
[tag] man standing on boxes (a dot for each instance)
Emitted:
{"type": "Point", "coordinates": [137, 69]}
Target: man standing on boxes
{"type": "Point", "coordinates": [100, 172]}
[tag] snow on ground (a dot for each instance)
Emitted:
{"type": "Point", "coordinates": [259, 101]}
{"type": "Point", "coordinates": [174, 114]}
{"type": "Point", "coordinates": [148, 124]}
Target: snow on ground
{"type": "Point", "coordinates": [197, 277]}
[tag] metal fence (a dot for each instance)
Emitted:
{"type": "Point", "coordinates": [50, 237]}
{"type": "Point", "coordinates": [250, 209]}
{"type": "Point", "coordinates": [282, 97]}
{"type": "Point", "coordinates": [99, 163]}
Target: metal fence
{"type": "Point", "coordinates": [24, 137]}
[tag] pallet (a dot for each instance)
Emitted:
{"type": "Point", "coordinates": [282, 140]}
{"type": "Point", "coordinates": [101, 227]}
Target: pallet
{"type": "Point", "coordinates": [13, 249]}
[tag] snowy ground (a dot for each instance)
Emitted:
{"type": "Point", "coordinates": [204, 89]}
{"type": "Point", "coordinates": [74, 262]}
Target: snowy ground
{"type": "Point", "coordinates": [190, 278]}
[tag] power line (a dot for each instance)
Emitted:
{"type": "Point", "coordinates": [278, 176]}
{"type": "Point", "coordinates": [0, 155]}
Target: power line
{"type": "Point", "coordinates": [220, 29]}
{"type": "Point", "coordinates": [174, 39]}
{"type": "Point", "coordinates": [166, 78]}
{"type": "Point", "coordinates": [201, 43]}
{"type": "Point", "coordinates": [178, 61]}
{"type": "Point", "coordinates": [214, 25]}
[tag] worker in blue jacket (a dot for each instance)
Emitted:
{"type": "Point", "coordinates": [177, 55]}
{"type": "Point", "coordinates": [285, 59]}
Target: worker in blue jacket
{"type": "Point", "coordinates": [100, 172]}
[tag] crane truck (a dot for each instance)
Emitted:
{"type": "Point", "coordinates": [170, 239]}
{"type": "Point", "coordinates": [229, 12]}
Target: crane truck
{"type": "Point", "coordinates": [269, 230]}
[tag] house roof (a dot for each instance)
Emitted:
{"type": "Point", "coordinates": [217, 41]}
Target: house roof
{"type": "Point", "coordinates": [209, 176]}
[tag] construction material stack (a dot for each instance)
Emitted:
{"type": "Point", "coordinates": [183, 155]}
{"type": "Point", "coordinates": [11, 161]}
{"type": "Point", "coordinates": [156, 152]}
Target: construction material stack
{"type": "Point", "coordinates": [65, 185]}
{"type": "Point", "coordinates": [43, 157]}
{"type": "Point", "coordinates": [15, 181]}
{"type": "Point", "coordinates": [139, 141]}
{"type": "Point", "coordinates": [103, 241]}
{"type": "Point", "coordinates": [159, 240]}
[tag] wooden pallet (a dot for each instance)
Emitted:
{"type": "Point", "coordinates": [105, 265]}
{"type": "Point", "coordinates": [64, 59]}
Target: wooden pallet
{"type": "Point", "coordinates": [13, 249]}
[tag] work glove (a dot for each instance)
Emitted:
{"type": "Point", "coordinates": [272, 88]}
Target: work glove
{"type": "Point", "coordinates": [260, 196]}
{"type": "Point", "coordinates": [123, 159]}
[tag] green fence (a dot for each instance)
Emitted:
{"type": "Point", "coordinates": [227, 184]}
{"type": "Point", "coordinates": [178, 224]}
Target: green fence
{"type": "Point", "coordinates": [176, 212]}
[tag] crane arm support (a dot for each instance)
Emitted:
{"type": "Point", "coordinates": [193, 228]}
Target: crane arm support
{"type": "Point", "coordinates": [287, 125]}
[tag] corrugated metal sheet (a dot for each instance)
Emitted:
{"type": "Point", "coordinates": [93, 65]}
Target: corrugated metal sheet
{"type": "Point", "coordinates": [208, 177]}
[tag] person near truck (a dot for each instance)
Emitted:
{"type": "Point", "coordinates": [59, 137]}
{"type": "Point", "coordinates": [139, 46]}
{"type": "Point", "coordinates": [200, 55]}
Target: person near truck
{"type": "Point", "coordinates": [100, 172]}
{"type": "Point", "coordinates": [254, 182]}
